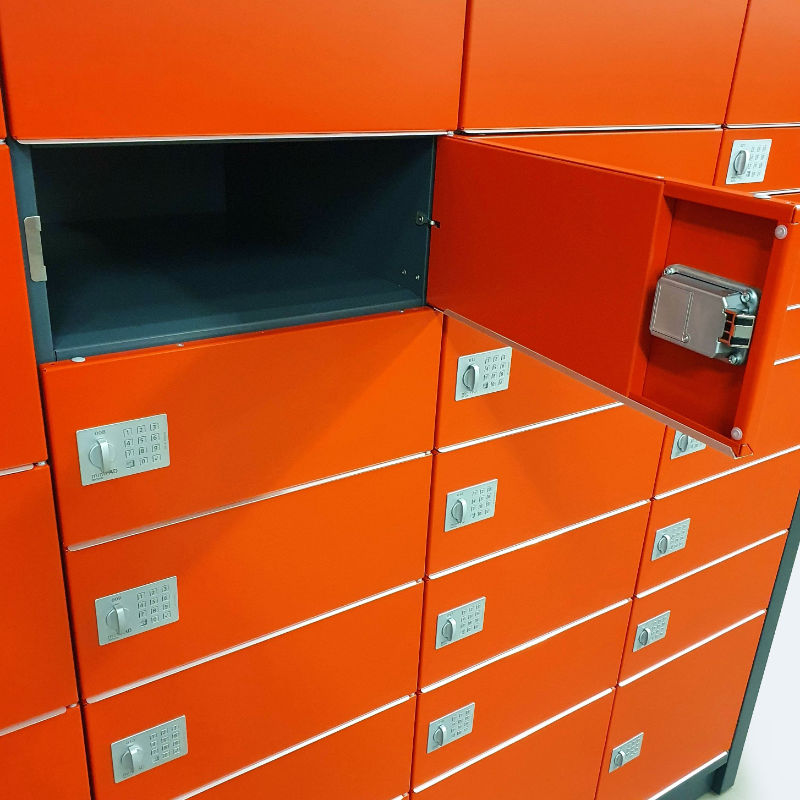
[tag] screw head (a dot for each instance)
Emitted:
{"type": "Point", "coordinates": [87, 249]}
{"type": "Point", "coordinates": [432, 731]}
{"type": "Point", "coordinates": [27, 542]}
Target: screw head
{"type": "Point", "coordinates": [736, 359]}
{"type": "Point", "coordinates": [736, 434]}
{"type": "Point", "coordinates": [746, 297]}
{"type": "Point", "coordinates": [781, 232]}
{"type": "Point", "coordinates": [670, 271]}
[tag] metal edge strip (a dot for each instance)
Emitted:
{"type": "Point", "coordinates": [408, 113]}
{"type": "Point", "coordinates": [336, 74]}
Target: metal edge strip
{"type": "Point", "coordinates": [525, 428]}
{"type": "Point", "coordinates": [536, 540]}
{"type": "Point", "coordinates": [692, 648]}
{"type": "Point", "coordinates": [733, 470]}
{"type": "Point", "coordinates": [294, 748]}
{"type": "Point", "coordinates": [524, 646]}
{"type": "Point", "coordinates": [255, 137]}
{"type": "Point", "coordinates": [249, 643]}
{"type": "Point", "coordinates": [33, 721]}
{"type": "Point", "coordinates": [720, 758]}
{"type": "Point", "coordinates": [509, 742]}
{"type": "Point", "coordinates": [786, 360]}
{"type": "Point", "coordinates": [710, 564]}
{"type": "Point", "coordinates": [592, 129]}
{"type": "Point", "coordinates": [15, 470]}
{"type": "Point", "coordinates": [258, 499]}
{"type": "Point", "coordinates": [748, 125]}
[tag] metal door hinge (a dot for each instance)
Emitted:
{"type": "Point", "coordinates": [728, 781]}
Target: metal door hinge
{"type": "Point", "coordinates": [33, 242]}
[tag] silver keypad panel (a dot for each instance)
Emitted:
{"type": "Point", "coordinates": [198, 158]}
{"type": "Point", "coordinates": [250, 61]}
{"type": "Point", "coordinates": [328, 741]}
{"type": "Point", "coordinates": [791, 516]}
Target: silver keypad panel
{"type": "Point", "coordinates": [149, 749]}
{"type": "Point", "coordinates": [651, 630]}
{"type": "Point", "coordinates": [137, 610]}
{"type": "Point", "coordinates": [626, 752]}
{"type": "Point", "coordinates": [670, 539]}
{"type": "Point", "coordinates": [470, 505]}
{"type": "Point", "coordinates": [459, 623]}
{"type": "Point", "coordinates": [684, 445]}
{"type": "Point", "coordinates": [748, 161]}
{"type": "Point", "coordinates": [447, 729]}
{"type": "Point", "coordinates": [483, 373]}
{"type": "Point", "coordinates": [121, 449]}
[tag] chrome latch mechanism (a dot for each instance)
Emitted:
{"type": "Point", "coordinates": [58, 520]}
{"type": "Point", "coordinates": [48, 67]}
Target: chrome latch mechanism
{"type": "Point", "coordinates": [706, 313]}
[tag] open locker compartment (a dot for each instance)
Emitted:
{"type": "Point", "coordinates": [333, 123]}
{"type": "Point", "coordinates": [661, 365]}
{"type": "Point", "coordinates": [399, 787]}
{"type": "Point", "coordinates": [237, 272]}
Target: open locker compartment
{"type": "Point", "coordinates": [562, 257]}
{"type": "Point", "coordinates": [151, 244]}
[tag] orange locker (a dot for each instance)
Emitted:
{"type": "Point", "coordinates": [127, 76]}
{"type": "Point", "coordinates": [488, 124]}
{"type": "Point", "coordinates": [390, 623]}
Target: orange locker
{"type": "Point", "coordinates": [763, 89]}
{"type": "Point", "coordinates": [578, 64]}
{"type": "Point", "coordinates": [193, 69]}
{"type": "Point", "coordinates": [575, 574]}
{"type": "Point", "coordinates": [668, 620]}
{"type": "Point", "coordinates": [22, 441]}
{"type": "Point", "coordinates": [45, 759]}
{"type": "Point", "coordinates": [688, 155]}
{"type": "Point", "coordinates": [693, 527]}
{"type": "Point", "coordinates": [533, 392]}
{"type": "Point", "coordinates": [553, 230]}
{"type": "Point", "coordinates": [36, 668]}
{"type": "Point", "coordinates": [559, 758]}
{"type": "Point", "coordinates": [546, 478]}
{"type": "Point", "coordinates": [789, 343]}
{"type": "Point", "coordinates": [516, 692]}
{"type": "Point", "coordinates": [783, 424]}
{"type": "Point", "coordinates": [685, 712]}
{"type": "Point", "coordinates": [234, 434]}
{"type": "Point", "coordinates": [255, 702]}
{"type": "Point", "coordinates": [760, 159]}
{"type": "Point", "coordinates": [274, 563]}
{"type": "Point", "coordinates": [365, 761]}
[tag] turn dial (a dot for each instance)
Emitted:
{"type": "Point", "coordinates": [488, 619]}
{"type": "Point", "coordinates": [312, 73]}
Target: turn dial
{"type": "Point", "coordinates": [102, 454]}
{"type": "Point", "coordinates": [117, 619]}
{"type": "Point", "coordinates": [133, 759]}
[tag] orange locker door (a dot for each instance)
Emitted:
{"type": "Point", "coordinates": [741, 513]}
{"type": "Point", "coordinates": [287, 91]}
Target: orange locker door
{"type": "Point", "coordinates": [576, 573]}
{"type": "Point", "coordinates": [515, 692]}
{"type": "Point", "coordinates": [235, 435]}
{"type": "Point", "coordinates": [290, 558]}
{"type": "Point", "coordinates": [36, 668]}
{"type": "Point", "coordinates": [558, 758]}
{"type": "Point", "coordinates": [249, 704]}
{"type": "Point", "coordinates": [582, 64]}
{"type": "Point", "coordinates": [521, 237]}
{"type": "Point", "coordinates": [690, 528]}
{"type": "Point", "coordinates": [226, 69]}
{"type": "Point", "coordinates": [667, 620]}
{"type": "Point", "coordinates": [546, 479]}
{"type": "Point", "coordinates": [46, 759]}
{"type": "Point", "coordinates": [369, 760]}
{"type": "Point", "coordinates": [22, 440]}
{"type": "Point", "coordinates": [677, 718]}
{"type": "Point", "coordinates": [763, 87]}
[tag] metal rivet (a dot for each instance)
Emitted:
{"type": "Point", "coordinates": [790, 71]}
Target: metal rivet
{"type": "Point", "coordinates": [736, 434]}
{"type": "Point", "coordinates": [781, 232]}
{"type": "Point", "coordinates": [79, 359]}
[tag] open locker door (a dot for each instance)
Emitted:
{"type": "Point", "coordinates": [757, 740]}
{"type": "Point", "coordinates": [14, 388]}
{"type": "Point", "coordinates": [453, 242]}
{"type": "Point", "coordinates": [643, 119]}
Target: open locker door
{"type": "Point", "coordinates": [666, 294]}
